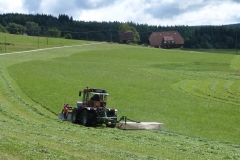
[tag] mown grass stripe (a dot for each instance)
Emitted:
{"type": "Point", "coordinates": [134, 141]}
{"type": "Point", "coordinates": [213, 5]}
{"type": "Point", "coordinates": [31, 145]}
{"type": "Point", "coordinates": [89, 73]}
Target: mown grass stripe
{"type": "Point", "coordinates": [209, 89]}
{"type": "Point", "coordinates": [235, 63]}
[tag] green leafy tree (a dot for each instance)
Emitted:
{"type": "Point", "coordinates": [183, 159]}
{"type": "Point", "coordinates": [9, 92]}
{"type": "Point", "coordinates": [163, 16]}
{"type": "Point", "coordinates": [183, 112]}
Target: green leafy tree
{"type": "Point", "coordinates": [32, 28]}
{"type": "Point", "coordinates": [2, 29]}
{"type": "Point", "coordinates": [14, 28]}
{"type": "Point", "coordinates": [68, 36]}
{"type": "Point", "coordinates": [126, 28]}
{"type": "Point", "coordinates": [135, 34]}
{"type": "Point", "coordinates": [53, 32]}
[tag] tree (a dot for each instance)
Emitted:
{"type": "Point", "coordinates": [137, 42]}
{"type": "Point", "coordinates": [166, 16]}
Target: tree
{"type": "Point", "coordinates": [68, 36]}
{"type": "Point", "coordinates": [53, 32]}
{"type": "Point", "coordinates": [220, 37]}
{"type": "Point", "coordinates": [135, 34]}
{"type": "Point", "coordinates": [14, 28]}
{"type": "Point", "coordinates": [2, 29]}
{"type": "Point", "coordinates": [126, 28]}
{"type": "Point", "coordinates": [63, 18]}
{"type": "Point", "coordinates": [32, 28]}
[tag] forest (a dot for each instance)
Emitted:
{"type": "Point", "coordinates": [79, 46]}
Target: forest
{"type": "Point", "coordinates": [206, 37]}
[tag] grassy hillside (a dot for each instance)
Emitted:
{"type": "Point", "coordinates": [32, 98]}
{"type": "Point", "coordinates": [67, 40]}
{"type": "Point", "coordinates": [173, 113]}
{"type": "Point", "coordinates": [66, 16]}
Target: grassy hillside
{"type": "Point", "coordinates": [23, 43]}
{"type": "Point", "coordinates": [195, 95]}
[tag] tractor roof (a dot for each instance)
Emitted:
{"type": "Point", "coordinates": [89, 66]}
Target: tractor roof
{"type": "Point", "coordinates": [96, 91]}
{"type": "Point", "coordinates": [106, 94]}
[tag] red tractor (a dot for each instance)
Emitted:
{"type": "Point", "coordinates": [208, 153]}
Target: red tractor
{"type": "Point", "coordinates": [91, 110]}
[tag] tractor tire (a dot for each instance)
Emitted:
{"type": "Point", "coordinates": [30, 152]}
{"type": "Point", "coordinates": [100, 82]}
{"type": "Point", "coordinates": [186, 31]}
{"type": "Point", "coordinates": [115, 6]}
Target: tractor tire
{"type": "Point", "coordinates": [75, 116]}
{"type": "Point", "coordinates": [111, 125]}
{"type": "Point", "coordinates": [113, 115]}
{"type": "Point", "coordinates": [87, 118]}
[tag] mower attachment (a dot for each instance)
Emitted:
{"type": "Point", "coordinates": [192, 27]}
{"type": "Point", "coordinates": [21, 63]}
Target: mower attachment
{"type": "Point", "coordinates": [66, 114]}
{"type": "Point", "coordinates": [134, 125]}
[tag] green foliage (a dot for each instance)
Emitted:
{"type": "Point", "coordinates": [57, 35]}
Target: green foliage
{"type": "Point", "coordinates": [218, 37]}
{"type": "Point", "coordinates": [2, 29]}
{"type": "Point", "coordinates": [14, 28]}
{"type": "Point", "coordinates": [136, 35]}
{"type": "Point", "coordinates": [124, 27]}
{"type": "Point", "coordinates": [32, 29]}
{"type": "Point", "coordinates": [68, 36]}
{"type": "Point", "coordinates": [53, 32]}
{"type": "Point", "coordinates": [64, 18]}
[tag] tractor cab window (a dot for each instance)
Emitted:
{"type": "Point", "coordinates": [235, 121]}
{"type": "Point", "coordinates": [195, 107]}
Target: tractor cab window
{"type": "Point", "coordinates": [103, 98]}
{"type": "Point", "coordinates": [85, 97]}
{"type": "Point", "coordinates": [95, 97]}
{"type": "Point", "coordinates": [98, 97]}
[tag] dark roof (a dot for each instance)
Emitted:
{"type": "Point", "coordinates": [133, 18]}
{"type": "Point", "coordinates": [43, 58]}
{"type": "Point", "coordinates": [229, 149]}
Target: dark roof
{"type": "Point", "coordinates": [157, 38]}
{"type": "Point", "coordinates": [126, 36]}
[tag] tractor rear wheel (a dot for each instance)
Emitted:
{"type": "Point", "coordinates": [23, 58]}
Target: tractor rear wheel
{"type": "Point", "coordinates": [87, 118]}
{"type": "Point", "coordinates": [75, 115]}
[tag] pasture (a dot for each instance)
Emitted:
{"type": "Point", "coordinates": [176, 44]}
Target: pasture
{"type": "Point", "coordinates": [18, 43]}
{"type": "Point", "coordinates": [196, 96]}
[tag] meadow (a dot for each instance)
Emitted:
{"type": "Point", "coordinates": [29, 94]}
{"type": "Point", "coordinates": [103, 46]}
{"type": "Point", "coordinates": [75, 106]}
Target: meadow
{"type": "Point", "coordinates": [16, 43]}
{"type": "Point", "coordinates": [195, 94]}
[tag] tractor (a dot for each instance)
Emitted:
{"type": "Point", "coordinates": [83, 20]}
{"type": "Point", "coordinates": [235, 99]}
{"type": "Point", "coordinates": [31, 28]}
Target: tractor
{"type": "Point", "coordinates": [92, 109]}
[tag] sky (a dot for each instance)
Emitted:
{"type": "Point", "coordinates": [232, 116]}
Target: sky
{"type": "Point", "coordinates": [151, 12]}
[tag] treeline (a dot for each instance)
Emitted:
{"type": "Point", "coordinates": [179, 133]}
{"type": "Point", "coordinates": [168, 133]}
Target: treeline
{"type": "Point", "coordinates": [220, 37]}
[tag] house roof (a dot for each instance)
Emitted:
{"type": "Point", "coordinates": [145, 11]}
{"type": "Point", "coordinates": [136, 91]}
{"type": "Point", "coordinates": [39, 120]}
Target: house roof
{"type": "Point", "coordinates": [126, 36]}
{"type": "Point", "coordinates": [157, 38]}
{"type": "Point", "coordinates": [168, 38]}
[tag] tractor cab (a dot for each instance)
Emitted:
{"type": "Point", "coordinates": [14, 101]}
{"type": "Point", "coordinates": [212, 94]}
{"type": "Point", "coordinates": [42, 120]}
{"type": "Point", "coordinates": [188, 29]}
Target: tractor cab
{"type": "Point", "coordinates": [94, 97]}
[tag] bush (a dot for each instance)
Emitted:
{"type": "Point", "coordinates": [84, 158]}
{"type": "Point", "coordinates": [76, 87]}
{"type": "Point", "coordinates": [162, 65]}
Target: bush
{"type": "Point", "coordinates": [53, 32]}
{"type": "Point", "coordinates": [68, 36]}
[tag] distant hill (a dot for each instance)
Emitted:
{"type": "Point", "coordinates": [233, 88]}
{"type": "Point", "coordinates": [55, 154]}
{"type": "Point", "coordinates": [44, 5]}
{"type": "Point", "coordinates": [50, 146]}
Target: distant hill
{"type": "Point", "coordinates": [233, 25]}
{"type": "Point", "coordinates": [204, 36]}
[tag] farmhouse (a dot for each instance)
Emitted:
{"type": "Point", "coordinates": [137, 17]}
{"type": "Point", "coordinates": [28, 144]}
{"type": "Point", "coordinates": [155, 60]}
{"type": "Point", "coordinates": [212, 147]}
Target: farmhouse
{"type": "Point", "coordinates": [126, 36]}
{"type": "Point", "coordinates": [168, 39]}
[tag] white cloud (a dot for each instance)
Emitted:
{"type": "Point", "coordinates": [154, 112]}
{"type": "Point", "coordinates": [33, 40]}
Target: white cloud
{"type": "Point", "coordinates": [46, 6]}
{"type": "Point", "coordinates": [12, 6]}
{"type": "Point", "coordinates": [152, 12]}
{"type": "Point", "coordinates": [121, 11]}
{"type": "Point", "coordinates": [210, 15]}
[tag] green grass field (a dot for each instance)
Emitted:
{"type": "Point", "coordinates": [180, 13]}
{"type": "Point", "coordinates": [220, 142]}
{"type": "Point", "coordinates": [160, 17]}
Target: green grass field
{"type": "Point", "coordinates": [23, 43]}
{"type": "Point", "coordinates": [196, 96]}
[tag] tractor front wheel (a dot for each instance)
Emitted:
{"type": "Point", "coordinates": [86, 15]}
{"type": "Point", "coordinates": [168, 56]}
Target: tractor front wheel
{"type": "Point", "coordinates": [112, 125]}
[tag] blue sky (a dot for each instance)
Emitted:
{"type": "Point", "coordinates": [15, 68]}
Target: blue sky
{"type": "Point", "coordinates": [151, 12]}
